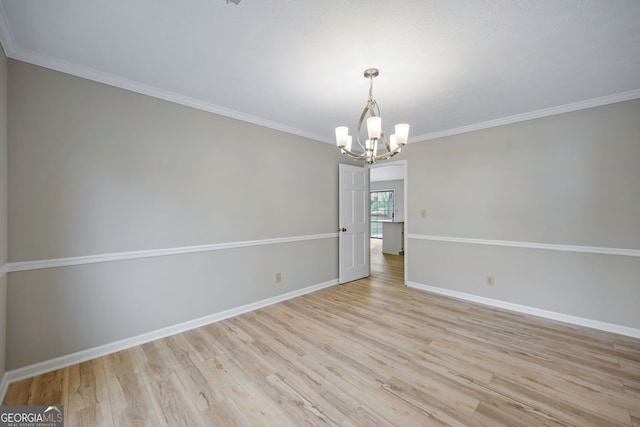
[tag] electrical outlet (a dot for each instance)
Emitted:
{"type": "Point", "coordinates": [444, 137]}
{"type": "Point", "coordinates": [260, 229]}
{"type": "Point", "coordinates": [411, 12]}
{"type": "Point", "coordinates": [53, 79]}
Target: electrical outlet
{"type": "Point", "coordinates": [489, 280]}
{"type": "Point", "coordinates": [278, 277]}
{"type": "Point", "coordinates": [423, 213]}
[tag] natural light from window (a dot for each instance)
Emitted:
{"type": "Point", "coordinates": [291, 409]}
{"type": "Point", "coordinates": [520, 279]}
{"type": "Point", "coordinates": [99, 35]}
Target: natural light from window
{"type": "Point", "coordinates": [382, 208]}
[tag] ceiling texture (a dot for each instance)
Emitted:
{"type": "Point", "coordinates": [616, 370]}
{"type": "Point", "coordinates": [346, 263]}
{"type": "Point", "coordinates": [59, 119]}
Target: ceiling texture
{"type": "Point", "coordinates": [446, 66]}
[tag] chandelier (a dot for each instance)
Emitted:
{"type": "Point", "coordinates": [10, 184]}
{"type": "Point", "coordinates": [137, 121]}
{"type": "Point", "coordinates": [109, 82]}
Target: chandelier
{"type": "Point", "coordinates": [370, 152]}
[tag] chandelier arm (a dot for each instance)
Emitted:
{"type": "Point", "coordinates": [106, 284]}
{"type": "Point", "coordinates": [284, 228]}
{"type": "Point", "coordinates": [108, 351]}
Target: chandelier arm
{"type": "Point", "coordinates": [373, 159]}
{"type": "Point", "coordinates": [372, 111]}
{"type": "Point", "coordinates": [384, 139]}
{"type": "Point", "coordinates": [362, 116]}
{"type": "Point", "coordinates": [353, 155]}
{"type": "Point", "coordinates": [386, 156]}
{"type": "Point", "coordinates": [374, 104]}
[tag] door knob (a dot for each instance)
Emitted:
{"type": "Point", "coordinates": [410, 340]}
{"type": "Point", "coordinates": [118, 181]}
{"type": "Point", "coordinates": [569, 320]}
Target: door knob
{"type": "Point", "coordinates": [342, 229]}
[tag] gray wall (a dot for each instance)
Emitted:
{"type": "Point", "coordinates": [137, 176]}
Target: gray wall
{"type": "Point", "coordinates": [95, 169]}
{"type": "Point", "coordinates": [3, 205]}
{"type": "Point", "coordinates": [570, 179]}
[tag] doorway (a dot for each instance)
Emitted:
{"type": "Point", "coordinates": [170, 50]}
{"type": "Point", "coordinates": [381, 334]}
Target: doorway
{"type": "Point", "coordinates": [388, 186]}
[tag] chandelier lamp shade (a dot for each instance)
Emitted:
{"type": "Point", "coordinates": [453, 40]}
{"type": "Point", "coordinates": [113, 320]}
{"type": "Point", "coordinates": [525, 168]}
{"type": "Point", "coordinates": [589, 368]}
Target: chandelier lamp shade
{"type": "Point", "coordinates": [370, 152]}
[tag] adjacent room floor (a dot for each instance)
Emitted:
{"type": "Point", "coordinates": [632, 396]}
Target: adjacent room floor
{"type": "Point", "coordinates": [370, 352]}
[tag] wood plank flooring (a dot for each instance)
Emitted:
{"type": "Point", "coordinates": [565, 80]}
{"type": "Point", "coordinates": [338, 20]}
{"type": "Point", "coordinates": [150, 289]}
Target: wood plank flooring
{"type": "Point", "coordinates": [371, 352]}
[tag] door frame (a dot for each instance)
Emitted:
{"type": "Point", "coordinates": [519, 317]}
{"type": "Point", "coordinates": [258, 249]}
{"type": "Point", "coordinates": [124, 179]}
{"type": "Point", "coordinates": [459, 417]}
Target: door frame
{"type": "Point", "coordinates": [405, 183]}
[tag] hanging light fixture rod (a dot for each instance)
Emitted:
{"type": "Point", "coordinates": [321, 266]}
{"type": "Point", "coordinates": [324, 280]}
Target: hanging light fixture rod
{"type": "Point", "coordinates": [369, 151]}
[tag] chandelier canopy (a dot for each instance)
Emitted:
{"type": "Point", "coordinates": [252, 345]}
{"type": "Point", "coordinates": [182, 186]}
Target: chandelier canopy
{"type": "Point", "coordinates": [370, 152]}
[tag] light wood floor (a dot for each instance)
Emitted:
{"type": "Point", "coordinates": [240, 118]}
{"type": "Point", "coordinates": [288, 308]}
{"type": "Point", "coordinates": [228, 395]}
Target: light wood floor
{"type": "Point", "coordinates": [371, 352]}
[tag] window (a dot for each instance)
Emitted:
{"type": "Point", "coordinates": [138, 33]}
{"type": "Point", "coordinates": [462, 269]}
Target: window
{"type": "Point", "coordinates": [382, 208]}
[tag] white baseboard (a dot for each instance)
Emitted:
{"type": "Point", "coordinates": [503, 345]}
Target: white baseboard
{"type": "Point", "coordinates": [4, 385]}
{"type": "Point", "coordinates": [552, 315]}
{"type": "Point", "coordinates": [92, 353]}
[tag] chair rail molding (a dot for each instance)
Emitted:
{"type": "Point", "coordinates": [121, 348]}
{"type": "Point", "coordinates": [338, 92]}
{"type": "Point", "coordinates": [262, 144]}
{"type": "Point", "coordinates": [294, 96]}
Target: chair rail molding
{"type": "Point", "coordinates": [4, 269]}
{"type": "Point", "coordinates": [530, 245]}
{"type": "Point", "coordinates": [119, 256]}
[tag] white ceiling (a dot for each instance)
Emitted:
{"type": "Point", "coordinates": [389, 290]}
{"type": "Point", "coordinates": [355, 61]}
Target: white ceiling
{"type": "Point", "coordinates": [386, 173]}
{"type": "Point", "coordinates": [445, 65]}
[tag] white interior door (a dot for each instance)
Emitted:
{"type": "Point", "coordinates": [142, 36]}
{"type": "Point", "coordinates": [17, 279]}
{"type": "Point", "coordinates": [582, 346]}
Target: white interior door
{"type": "Point", "coordinates": [354, 223]}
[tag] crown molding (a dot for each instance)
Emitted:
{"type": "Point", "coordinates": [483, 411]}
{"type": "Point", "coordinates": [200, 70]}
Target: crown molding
{"type": "Point", "coordinates": [155, 92]}
{"type": "Point", "coordinates": [537, 114]}
{"type": "Point", "coordinates": [14, 52]}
